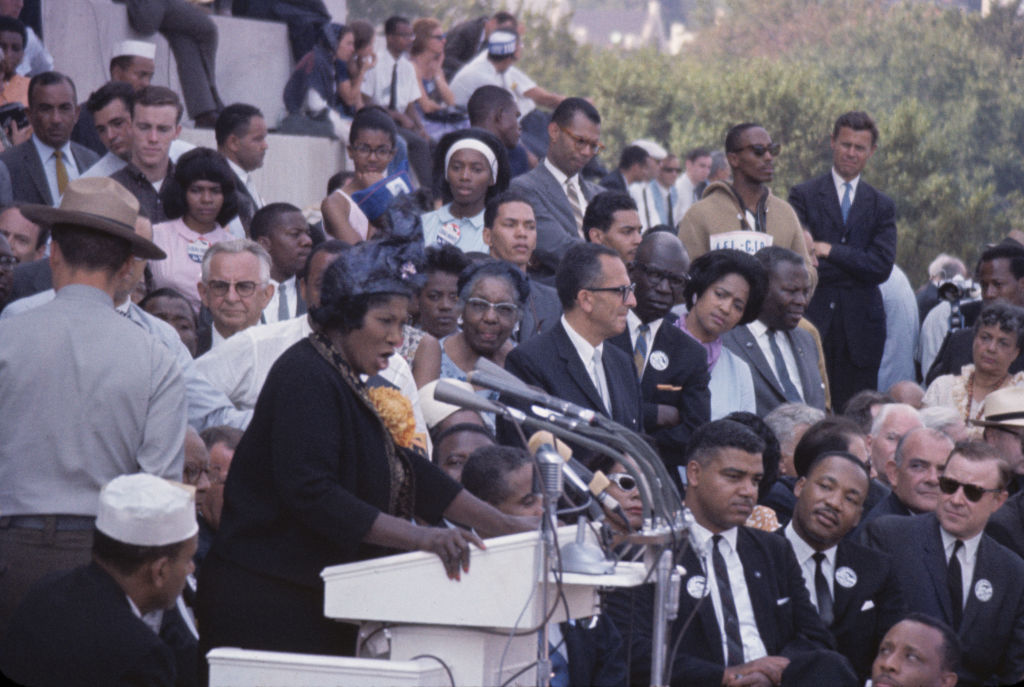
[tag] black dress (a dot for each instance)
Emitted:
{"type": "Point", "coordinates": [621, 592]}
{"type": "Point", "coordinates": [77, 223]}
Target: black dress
{"type": "Point", "coordinates": [308, 479]}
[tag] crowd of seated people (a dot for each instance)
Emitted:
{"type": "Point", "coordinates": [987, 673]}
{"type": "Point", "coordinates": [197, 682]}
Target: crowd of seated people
{"type": "Point", "coordinates": [856, 517]}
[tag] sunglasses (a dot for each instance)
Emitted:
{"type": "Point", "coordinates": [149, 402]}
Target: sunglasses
{"type": "Point", "coordinates": [220, 288]}
{"type": "Point", "coordinates": [623, 481]}
{"type": "Point", "coordinates": [948, 486]}
{"type": "Point", "coordinates": [759, 150]}
{"type": "Point", "coordinates": [623, 291]}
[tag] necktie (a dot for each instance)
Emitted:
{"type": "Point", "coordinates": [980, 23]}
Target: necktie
{"type": "Point", "coordinates": [733, 642]}
{"type": "Point", "coordinates": [955, 581]}
{"type": "Point", "coordinates": [282, 303]}
{"type": "Point", "coordinates": [822, 591]}
{"type": "Point", "coordinates": [599, 380]}
{"type": "Point", "coordinates": [782, 372]}
{"type": "Point", "coordinates": [574, 203]}
{"type": "Point", "coordinates": [845, 206]}
{"type": "Point", "coordinates": [640, 349]}
{"type": "Point", "coordinates": [394, 88]}
{"type": "Point", "coordinates": [668, 199]}
{"type": "Point", "coordinates": [62, 173]}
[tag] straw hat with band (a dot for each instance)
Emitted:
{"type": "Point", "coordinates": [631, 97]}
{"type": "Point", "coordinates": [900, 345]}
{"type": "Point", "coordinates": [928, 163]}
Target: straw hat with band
{"type": "Point", "coordinates": [100, 204]}
{"type": "Point", "coordinates": [1003, 408]}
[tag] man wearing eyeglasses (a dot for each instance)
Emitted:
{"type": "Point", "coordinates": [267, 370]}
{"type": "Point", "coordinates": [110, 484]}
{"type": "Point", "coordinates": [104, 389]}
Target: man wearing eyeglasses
{"type": "Point", "coordinates": [559, 194]}
{"type": "Point", "coordinates": [571, 360]}
{"type": "Point", "coordinates": [672, 366]}
{"type": "Point", "coordinates": [744, 214]}
{"type": "Point", "coordinates": [854, 230]}
{"type": "Point", "coordinates": [951, 570]}
{"type": "Point", "coordinates": [235, 288]}
{"type": "Point", "coordinates": [782, 357]}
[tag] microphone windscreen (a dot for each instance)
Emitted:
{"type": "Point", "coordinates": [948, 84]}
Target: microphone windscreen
{"type": "Point", "coordinates": [543, 436]}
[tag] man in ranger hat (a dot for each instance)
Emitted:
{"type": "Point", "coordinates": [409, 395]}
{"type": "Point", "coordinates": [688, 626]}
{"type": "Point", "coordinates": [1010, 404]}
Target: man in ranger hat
{"type": "Point", "coordinates": [114, 620]}
{"type": "Point", "coordinates": [1002, 416]}
{"type": "Point", "coordinates": [85, 395]}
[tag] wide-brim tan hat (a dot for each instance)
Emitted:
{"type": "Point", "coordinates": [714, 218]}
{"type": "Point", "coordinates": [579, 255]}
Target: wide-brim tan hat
{"type": "Point", "coordinates": [1003, 408]}
{"type": "Point", "coordinates": [98, 203]}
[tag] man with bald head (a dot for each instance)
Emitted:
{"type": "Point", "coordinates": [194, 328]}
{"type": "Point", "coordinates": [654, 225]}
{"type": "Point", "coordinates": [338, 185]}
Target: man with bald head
{"type": "Point", "coordinates": [890, 424]}
{"type": "Point", "coordinates": [672, 369]}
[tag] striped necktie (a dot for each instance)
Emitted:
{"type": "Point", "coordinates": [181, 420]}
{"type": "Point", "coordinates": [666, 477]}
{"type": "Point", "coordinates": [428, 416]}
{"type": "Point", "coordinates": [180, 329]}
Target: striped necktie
{"type": "Point", "coordinates": [574, 203]}
{"type": "Point", "coordinates": [640, 349]}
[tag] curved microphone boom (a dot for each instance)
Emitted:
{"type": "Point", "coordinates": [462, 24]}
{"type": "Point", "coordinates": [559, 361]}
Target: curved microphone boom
{"type": "Point", "coordinates": [524, 393]}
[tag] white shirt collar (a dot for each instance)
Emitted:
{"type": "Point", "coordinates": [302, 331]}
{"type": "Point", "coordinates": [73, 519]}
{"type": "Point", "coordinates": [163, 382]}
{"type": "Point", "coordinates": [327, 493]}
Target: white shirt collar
{"type": "Point", "coordinates": [701, 538]}
{"type": "Point", "coordinates": [805, 551]}
{"type": "Point", "coordinates": [970, 545]}
{"type": "Point", "coordinates": [46, 151]}
{"type": "Point", "coordinates": [239, 172]}
{"type": "Point", "coordinates": [633, 322]}
{"type": "Point", "coordinates": [582, 346]}
{"type": "Point", "coordinates": [559, 175]}
{"type": "Point", "coordinates": [757, 328]}
{"type": "Point", "coordinates": [839, 181]}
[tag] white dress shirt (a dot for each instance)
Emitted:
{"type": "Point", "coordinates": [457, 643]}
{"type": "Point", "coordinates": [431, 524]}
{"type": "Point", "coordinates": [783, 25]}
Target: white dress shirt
{"type": "Point", "coordinates": [753, 647]}
{"type": "Point", "coordinates": [633, 323]}
{"type": "Point", "coordinates": [761, 335]}
{"type": "Point", "coordinates": [480, 71]}
{"type": "Point", "coordinates": [804, 556]}
{"type": "Point", "coordinates": [49, 160]}
{"type": "Point", "coordinates": [840, 190]}
{"type": "Point", "coordinates": [586, 354]}
{"type": "Point", "coordinates": [968, 556]}
{"type": "Point", "coordinates": [377, 82]}
{"type": "Point", "coordinates": [291, 296]}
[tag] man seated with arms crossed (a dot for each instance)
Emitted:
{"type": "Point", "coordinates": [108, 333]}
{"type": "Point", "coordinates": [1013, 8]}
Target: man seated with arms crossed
{"type": "Point", "coordinates": [758, 627]}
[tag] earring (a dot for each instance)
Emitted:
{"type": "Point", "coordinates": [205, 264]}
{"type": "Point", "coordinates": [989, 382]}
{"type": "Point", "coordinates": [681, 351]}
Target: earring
{"type": "Point", "coordinates": [459, 321]}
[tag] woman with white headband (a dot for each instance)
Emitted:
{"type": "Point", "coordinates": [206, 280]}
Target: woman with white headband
{"type": "Point", "coordinates": [473, 166]}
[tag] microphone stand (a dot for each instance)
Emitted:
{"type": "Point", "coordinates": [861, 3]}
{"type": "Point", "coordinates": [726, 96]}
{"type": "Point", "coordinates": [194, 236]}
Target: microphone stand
{"type": "Point", "coordinates": [549, 465]}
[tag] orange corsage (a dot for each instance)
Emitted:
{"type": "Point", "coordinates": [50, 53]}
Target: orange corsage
{"type": "Point", "coordinates": [396, 412]}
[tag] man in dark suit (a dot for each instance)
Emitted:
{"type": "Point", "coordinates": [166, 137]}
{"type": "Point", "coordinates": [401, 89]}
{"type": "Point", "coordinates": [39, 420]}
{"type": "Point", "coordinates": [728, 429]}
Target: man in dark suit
{"type": "Point", "coordinates": [511, 232]}
{"type": "Point", "coordinates": [758, 617]}
{"type": "Point", "coordinates": [853, 587]}
{"type": "Point", "coordinates": [282, 230]}
{"type": "Point", "coordinates": [950, 569]}
{"type": "Point", "coordinates": [781, 356]}
{"type": "Point", "coordinates": [38, 170]}
{"type": "Point", "coordinates": [110, 622]}
{"type": "Point", "coordinates": [633, 166]}
{"type": "Point", "coordinates": [672, 366]}
{"type": "Point", "coordinates": [558, 193]}
{"type": "Point", "coordinates": [241, 134]}
{"type": "Point", "coordinates": [571, 360]}
{"type": "Point", "coordinates": [854, 230]}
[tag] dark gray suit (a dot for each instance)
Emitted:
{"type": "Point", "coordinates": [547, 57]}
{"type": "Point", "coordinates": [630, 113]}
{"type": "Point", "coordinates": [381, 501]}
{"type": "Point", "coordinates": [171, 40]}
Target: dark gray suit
{"type": "Point", "coordinates": [767, 389]}
{"type": "Point", "coordinates": [23, 179]}
{"type": "Point", "coordinates": [556, 226]}
{"type": "Point", "coordinates": [540, 312]}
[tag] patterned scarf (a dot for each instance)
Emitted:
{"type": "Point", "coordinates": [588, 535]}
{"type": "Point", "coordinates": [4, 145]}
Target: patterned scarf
{"type": "Point", "coordinates": [400, 498]}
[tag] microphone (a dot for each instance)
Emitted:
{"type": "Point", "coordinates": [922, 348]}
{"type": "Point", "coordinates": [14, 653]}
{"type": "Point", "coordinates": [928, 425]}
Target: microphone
{"type": "Point", "coordinates": [449, 393]}
{"type": "Point", "coordinates": [524, 393]}
{"type": "Point", "coordinates": [581, 477]}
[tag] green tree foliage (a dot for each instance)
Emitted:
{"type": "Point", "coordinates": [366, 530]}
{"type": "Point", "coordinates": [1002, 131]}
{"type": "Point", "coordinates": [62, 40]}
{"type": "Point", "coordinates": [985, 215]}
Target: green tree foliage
{"type": "Point", "coordinates": [942, 85]}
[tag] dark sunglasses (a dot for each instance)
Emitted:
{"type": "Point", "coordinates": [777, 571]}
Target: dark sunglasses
{"type": "Point", "coordinates": [623, 481]}
{"type": "Point", "coordinates": [948, 486]}
{"type": "Point", "coordinates": [759, 150]}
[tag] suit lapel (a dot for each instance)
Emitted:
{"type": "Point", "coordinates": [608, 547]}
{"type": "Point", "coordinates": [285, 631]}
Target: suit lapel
{"type": "Point", "coordinates": [859, 209]}
{"type": "Point", "coordinates": [982, 572]}
{"type": "Point", "coordinates": [36, 172]}
{"type": "Point", "coordinates": [550, 187]}
{"type": "Point", "coordinates": [756, 570]}
{"type": "Point", "coordinates": [830, 201]}
{"type": "Point", "coordinates": [844, 596]}
{"type": "Point", "coordinates": [752, 352]}
{"type": "Point", "coordinates": [803, 364]}
{"type": "Point", "coordinates": [936, 565]}
{"type": "Point", "coordinates": [576, 369]}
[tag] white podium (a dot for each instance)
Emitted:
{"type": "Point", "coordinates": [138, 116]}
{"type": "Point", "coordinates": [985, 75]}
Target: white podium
{"type": "Point", "coordinates": [483, 628]}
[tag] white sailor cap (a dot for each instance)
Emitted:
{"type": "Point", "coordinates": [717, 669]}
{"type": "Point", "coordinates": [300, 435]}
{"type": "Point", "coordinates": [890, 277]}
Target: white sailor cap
{"type": "Point", "coordinates": [502, 43]}
{"type": "Point", "coordinates": [145, 510]}
{"type": "Point", "coordinates": [653, 149]}
{"type": "Point", "coordinates": [132, 48]}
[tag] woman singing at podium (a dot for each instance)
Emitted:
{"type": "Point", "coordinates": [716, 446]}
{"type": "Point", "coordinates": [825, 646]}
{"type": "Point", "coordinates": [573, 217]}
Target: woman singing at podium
{"type": "Point", "coordinates": [325, 473]}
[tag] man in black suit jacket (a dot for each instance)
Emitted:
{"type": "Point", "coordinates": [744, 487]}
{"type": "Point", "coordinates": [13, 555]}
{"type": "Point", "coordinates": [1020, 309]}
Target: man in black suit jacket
{"type": "Point", "coordinates": [774, 331]}
{"type": "Point", "coordinates": [282, 230]}
{"type": "Point", "coordinates": [856, 593]}
{"type": "Point", "coordinates": [854, 232]}
{"type": "Point", "coordinates": [987, 608]}
{"type": "Point", "coordinates": [37, 170]}
{"type": "Point", "coordinates": [634, 165]}
{"type": "Point", "coordinates": [672, 366]}
{"type": "Point", "coordinates": [510, 230]}
{"type": "Point", "coordinates": [571, 360]}
{"type": "Point", "coordinates": [575, 133]}
{"type": "Point", "coordinates": [114, 621]}
{"type": "Point", "coordinates": [745, 578]}
{"type": "Point", "coordinates": [241, 133]}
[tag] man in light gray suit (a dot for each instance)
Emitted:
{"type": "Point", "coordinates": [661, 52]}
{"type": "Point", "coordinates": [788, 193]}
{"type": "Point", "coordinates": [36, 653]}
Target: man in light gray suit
{"type": "Point", "coordinates": [558, 194]}
{"type": "Point", "coordinates": [38, 170]}
{"type": "Point", "coordinates": [783, 359]}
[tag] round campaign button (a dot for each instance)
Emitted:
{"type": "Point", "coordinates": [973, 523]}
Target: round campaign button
{"type": "Point", "coordinates": [846, 577]}
{"type": "Point", "coordinates": [450, 232]}
{"type": "Point", "coordinates": [697, 586]}
{"type": "Point", "coordinates": [197, 249]}
{"type": "Point", "coordinates": [659, 360]}
{"type": "Point", "coordinates": [983, 589]}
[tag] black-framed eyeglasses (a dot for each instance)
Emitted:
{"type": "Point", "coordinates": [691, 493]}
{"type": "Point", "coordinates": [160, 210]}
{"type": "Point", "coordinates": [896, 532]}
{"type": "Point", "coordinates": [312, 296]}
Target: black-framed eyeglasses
{"type": "Point", "coordinates": [948, 486]}
{"type": "Point", "coordinates": [7, 262]}
{"type": "Point", "coordinates": [656, 276]}
{"type": "Point", "coordinates": [479, 307]}
{"type": "Point", "coordinates": [367, 151]}
{"type": "Point", "coordinates": [759, 150]}
{"type": "Point", "coordinates": [672, 170]}
{"type": "Point", "coordinates": [623, 291]}
{"type": "Point", "coordinates": [220, 288]}
{"type": "Point", "coordinates": [623, 481]}
{"type": "Point", "coordinates": [583, 143]}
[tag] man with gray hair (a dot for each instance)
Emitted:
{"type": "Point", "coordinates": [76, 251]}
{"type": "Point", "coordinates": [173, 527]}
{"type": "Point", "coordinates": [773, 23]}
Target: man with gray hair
{"type": "Point", "coordinates": [235, 288]}
{"type": "Point", "coordinates": [891, 423]}
{"type": "Point", "coordinates": [947, 420]}
{"type": "Point", "coordinates": [788, 422]}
